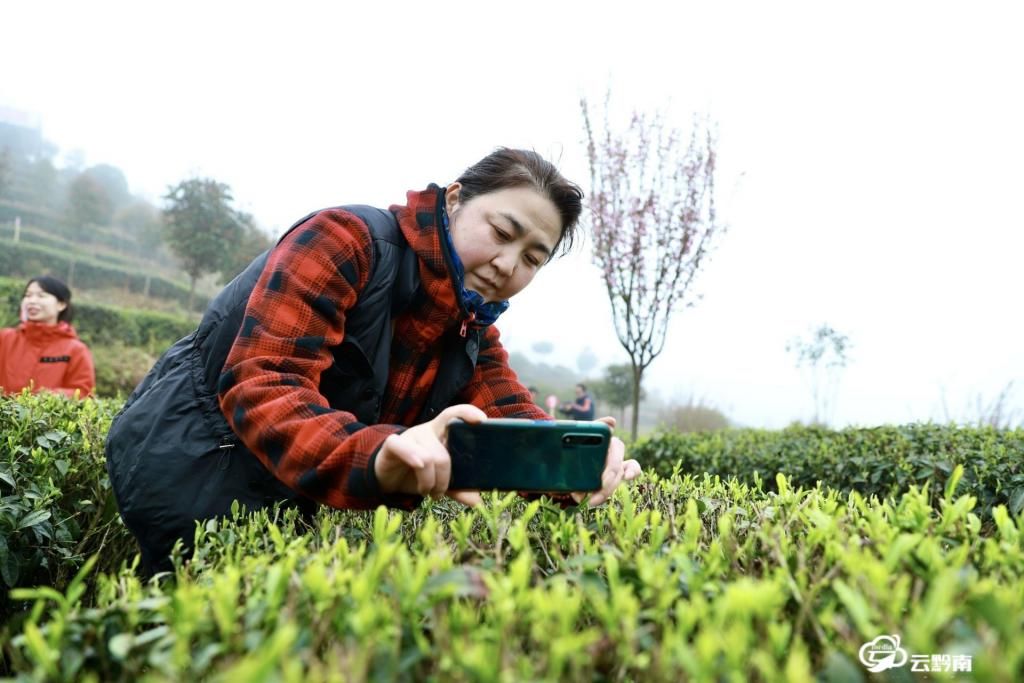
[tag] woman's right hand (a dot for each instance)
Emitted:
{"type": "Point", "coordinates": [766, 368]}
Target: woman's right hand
{"type": "Point", "coordinates": [417, 461]}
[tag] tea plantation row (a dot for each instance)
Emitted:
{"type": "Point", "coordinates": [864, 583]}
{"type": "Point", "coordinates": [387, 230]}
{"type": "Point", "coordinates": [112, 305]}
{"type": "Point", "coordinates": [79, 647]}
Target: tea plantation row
{"type": "Point", "coordinates": [680, 577]}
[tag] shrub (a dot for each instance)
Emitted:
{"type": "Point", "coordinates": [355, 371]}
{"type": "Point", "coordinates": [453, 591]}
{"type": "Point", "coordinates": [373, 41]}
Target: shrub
{"type": "Point", "coordinates": [693, 416]}
{"type": "Point", "coordinates": [56, 505]}
{"type": "Point", "coordinates": [880, 461]}
{"type": "Point", "coordinates": [686, 577]}
{"type": "Point", "coordinates": [677, 579]}
{"type": "Point", "coordinates": [119, 369]}
{"type": "Point", "coordinates": [18, 259]}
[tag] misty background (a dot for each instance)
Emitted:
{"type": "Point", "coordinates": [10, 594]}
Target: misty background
{"type": "Point", "coordinates": [869, 161]}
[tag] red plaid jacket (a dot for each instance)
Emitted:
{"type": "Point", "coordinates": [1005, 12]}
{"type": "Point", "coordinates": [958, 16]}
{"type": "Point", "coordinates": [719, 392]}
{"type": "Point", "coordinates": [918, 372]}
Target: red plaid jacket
{"type": "Point", "coordinates": [276, 361]}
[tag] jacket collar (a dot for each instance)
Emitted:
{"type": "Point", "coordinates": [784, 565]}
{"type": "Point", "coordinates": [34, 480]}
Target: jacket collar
{"type": "Point", "coordinates": [42, 333]}
{"type": "Point", "coordinates": [424, 223]}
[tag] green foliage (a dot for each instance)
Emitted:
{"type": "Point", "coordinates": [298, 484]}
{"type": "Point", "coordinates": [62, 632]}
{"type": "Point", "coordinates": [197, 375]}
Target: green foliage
{"type": "Point", "coordinates": [31, 178]}
{"type": "Point", "coordinates": [111, 179]}
{"type": "Point", "coordinates": [37, 183]}
{"type": "Point", "coordinates": [56, 506]}
{"type": "Point", "coordinates": [11, 209]}
{"type": "Point", "coordinates": [70, 211]}
{"type": "Point", "coordinates": [120, 368]}
{"type": "Point", "coordinates": [692, 416]}
{"type": "Point", "coordinates": [881, 461]}
{"type": "Point", "coordinates": [87, 204]}
{"type": "Point", "coordinates": [5, 171]}
{"type": "Point", "coordinates": [200, 225]}
{"type": "Point", "coordinates": [616, 386]}
{"type": "Point", "coordinates": [141, 219]}
{"type": "Point", "coordinates": [23, 260]}
{"type": "Point", "coordinates": [682, 577]}
{"type": "Point", "coordinates": [251, 244]}
{"type": "Point", "coordinates": [149, 330]}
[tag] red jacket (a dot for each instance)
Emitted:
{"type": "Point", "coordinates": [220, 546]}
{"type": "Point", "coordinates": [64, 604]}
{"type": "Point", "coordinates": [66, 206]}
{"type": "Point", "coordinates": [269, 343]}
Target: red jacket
{"type": "Point", "coordinates": [42, 356]}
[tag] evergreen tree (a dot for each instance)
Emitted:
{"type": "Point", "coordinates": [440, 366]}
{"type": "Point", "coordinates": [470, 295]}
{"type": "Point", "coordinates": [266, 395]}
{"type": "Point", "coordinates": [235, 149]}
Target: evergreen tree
{"type": "Point", "coordinates": [200, 226]}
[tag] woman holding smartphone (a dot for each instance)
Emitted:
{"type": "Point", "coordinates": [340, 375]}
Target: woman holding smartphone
{"type": "Point", "coordinates": [329, 370]}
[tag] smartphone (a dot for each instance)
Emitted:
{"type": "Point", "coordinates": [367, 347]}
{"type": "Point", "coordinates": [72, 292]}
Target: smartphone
{"type": "Point", "coordinates": [528, 455]}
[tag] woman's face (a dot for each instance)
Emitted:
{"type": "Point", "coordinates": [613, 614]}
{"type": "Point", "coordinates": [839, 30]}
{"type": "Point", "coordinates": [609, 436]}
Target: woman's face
{"type": "Point", "coordinates": [40, 306]}
{"type": "Point", "coordinates": [502, 237]}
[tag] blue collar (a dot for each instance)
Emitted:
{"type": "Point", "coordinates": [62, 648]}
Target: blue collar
{"type": "Point", "coordinates": [481, 313]}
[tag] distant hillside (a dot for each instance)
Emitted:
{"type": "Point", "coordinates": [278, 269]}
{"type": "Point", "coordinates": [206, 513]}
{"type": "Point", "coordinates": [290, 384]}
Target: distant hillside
{"type": "Point", "coordinates": [84, 226]}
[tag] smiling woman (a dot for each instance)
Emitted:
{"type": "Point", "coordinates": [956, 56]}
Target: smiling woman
{"type": "Point", "coordinates": [44, 352]}
{"type": "Point", "coordinates": [328, 371]}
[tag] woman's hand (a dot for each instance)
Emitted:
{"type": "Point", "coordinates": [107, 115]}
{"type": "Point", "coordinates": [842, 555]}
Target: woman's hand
{"type": "Point", "coordinates": [417, 461]}
{"type": "Point", "coordinates": [616, 470]}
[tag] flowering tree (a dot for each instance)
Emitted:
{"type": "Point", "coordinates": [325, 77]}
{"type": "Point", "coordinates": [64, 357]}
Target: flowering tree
{"type": "Point", "coordinates": [652, 211]}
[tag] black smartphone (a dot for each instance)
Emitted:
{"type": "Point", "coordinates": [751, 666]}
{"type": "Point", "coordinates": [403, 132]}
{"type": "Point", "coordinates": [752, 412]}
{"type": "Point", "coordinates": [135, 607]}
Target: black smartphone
{"type": "Point", "coordinates": [528, 455]}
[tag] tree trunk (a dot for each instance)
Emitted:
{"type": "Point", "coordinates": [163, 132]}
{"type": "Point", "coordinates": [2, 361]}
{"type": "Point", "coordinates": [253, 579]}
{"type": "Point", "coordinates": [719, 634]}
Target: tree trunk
{"type": "Point", "coordinates": [145, 287]}
{"type": "Point", "coordinates": [191, 293]}
{"type": "Point", "coordinates": [637, 374]}
{"type": "Point", "coordinates": [71, 274]}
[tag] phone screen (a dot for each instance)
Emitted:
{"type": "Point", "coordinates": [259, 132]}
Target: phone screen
{"type": "Point", "coordinates": [528, 455]}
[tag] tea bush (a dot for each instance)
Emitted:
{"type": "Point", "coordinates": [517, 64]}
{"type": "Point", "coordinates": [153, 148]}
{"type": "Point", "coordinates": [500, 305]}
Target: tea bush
{"type": "Point", "coordinates": [56, 504]}
{"type": "Point", "coordinates": [23, 260]}
{"type": "Point", "coordinates": [681, 577]}
{"type": "Point", "coordinates": [120, 368]}
{"type": "Point", "coordinates": [879, 461]}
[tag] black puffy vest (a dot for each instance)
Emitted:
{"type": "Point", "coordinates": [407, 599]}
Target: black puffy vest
{"type": "Point", "coordinates": [171, 455]}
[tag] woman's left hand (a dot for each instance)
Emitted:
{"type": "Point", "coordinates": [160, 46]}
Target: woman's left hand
{"type": "Point", "coordinates": [616, 470]}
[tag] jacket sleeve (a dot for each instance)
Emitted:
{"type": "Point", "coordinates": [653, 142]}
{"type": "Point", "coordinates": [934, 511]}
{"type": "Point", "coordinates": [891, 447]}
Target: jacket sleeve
{"type": "Point", "coordinates": [495, 388]}
{"type": "Point", "coordinates": [80, 375]}
{"type": "Point", "coordinates": [268, 389]}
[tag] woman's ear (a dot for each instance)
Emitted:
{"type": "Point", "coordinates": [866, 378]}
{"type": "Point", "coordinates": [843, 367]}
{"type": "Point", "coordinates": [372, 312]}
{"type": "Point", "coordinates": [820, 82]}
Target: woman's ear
{"type": "Point", "coordinates": [451, 197]}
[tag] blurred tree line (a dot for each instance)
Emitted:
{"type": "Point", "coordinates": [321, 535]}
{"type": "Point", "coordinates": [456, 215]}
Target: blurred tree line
{"type": "Point", "coordinates": [197, 231]}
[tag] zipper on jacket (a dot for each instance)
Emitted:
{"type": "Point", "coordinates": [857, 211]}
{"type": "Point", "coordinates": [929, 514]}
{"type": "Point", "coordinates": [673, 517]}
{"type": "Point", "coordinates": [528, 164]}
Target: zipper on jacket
{"type": "Point", "coordinates": [465, 324]}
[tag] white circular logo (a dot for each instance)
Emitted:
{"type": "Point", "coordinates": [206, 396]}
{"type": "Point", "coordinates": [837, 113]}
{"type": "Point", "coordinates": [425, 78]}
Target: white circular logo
{"type": "Point", "coordinates": [884, 652]}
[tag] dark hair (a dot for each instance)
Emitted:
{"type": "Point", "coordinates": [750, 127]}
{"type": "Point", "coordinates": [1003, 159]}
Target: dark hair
{"type": "Point", "coordinates": [582, 386]}
{"type": "Point", "coordinates": [506, 168]}
{"type": "Point", "coordinates": [52, 285]}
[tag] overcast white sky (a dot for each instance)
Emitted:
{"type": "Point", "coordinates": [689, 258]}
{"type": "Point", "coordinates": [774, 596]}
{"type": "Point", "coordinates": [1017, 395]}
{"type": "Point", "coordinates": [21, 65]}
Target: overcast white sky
{"type": "Point", "coordinates": [871, 158]}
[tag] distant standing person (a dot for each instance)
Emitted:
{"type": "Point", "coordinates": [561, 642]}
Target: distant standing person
{"type": "Point", "coordinates": [44, 352]}
{"type": "Point", "coordinates": [582, 408]}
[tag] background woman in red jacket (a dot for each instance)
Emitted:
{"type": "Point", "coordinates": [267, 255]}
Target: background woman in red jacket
{"type": "Point", "coordinates": [43, 352]}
